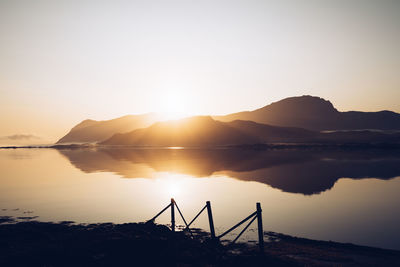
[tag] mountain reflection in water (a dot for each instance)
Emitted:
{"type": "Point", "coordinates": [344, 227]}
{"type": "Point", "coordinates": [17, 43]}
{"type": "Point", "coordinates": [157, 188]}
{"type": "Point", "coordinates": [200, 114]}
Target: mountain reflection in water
{"type": "Point", "coordinates": [297, 171]}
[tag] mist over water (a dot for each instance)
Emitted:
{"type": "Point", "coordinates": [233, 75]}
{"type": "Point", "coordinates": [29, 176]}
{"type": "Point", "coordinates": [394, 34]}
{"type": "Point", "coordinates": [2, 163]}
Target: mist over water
{"type": "Point", "coordinates": [339, 195]}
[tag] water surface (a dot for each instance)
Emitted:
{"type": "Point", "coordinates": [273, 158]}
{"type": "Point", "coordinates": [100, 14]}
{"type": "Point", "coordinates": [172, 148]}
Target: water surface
{"type": "Point", "coordinates": [345, 196]}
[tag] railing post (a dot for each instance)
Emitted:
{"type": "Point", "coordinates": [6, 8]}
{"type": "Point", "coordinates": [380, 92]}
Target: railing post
{"type": "Point", "coordinates": [210, 219]}
{"type": "Point", "coordinates": [172, 215]}
{"type": "Point", "coordinates": [260, 228]}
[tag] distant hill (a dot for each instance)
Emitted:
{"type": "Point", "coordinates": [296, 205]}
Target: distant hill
{"type": "Point", "coordinates": [282, 121]}
{"type": "Point", "coordinates": [95, 131]}
{"type": "Point", "coordinates": [194, 131]}
{"type": "Point", "coordinates": [315, 113]}
{"type": "Point", "coordinates": [204, 131]}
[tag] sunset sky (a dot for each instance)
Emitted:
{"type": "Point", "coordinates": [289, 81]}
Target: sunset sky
{"type": "Point", "coordinates": [65, 61]}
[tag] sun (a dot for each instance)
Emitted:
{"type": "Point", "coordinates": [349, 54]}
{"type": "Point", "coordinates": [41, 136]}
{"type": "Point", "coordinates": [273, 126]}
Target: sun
{"type": "Point", "coordinates": [173, 105]}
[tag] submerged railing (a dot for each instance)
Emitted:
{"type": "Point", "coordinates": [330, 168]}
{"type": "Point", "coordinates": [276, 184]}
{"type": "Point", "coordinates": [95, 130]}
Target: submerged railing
{"type": "Point", "coordinates": [252, 217]}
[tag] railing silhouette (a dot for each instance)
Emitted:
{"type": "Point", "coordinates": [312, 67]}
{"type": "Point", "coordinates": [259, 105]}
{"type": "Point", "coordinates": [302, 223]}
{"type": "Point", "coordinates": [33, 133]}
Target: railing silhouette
{"type": "Point", "coordinates": [252, 217]}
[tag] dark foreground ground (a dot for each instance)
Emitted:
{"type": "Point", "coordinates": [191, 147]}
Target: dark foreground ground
{"type": "Point", "coordinates": [139, 244]}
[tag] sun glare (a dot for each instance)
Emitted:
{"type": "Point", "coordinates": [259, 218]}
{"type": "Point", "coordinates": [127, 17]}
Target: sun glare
{"type": "Point", "coordinates": [173, 189]}
{"type": "Point", "coordinates": [173, 105]}
{"type": "Point", "coordinates": [172, 183]}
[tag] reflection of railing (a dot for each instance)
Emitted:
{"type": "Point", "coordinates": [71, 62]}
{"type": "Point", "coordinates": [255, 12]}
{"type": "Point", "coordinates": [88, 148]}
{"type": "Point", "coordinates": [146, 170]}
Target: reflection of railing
{"type": "Point", "coordinates": [255, 215]}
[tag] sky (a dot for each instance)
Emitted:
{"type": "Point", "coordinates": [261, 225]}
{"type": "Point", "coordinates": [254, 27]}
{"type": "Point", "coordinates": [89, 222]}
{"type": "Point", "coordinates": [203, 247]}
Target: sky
{"type": "Point", "coordinates": [65, 61]}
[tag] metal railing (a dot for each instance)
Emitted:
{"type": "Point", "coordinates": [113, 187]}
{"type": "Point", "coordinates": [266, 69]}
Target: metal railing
{"type": "Point", "coordinates": [252, 217]}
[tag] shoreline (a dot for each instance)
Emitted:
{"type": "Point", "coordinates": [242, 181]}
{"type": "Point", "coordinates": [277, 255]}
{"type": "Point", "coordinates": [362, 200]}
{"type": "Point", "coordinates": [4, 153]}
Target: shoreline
{"type": "Point", "coordinates": [274, 146]}
{"type": "Point", "coordinates": [36, 243]}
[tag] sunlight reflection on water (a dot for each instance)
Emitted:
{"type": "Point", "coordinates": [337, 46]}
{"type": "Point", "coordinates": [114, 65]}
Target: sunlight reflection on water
{"type": "Point", "coordinates": [301, 193]}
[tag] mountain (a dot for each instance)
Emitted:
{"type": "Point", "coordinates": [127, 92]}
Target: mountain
{"type": "Point", "coordinates": [290, 118]}
{"type": "Point", "coordinates": [194, 131]}
{"type": "Point", "coordinates": [204, 131]}
{"type": "Point", "coordinates": [95, 131]}
{"type": "Point", "coordinates": [318, 114]}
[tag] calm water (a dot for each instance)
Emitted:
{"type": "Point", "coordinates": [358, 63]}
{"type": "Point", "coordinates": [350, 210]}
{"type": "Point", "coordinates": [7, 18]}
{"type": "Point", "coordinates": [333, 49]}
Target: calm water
{"type": "Point", "coordinates": [345, 196]}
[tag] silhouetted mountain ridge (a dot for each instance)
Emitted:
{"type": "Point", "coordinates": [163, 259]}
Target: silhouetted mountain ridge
{"type": "Point", "coordinates": [194, 131]}
{"type": "Point", "coordinates": [204, 131]}
{"type": "Point", "coordinates": [316, 113]}
{"type": "Point", "coordinates": [95, 131]}
{"type": "Point", "coordinates": [283, 121]}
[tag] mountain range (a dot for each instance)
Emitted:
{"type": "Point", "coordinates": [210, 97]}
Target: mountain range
{"type": "Point", "coordinates": [90, 131]}
{"type": "Point", "coordinates": [315, 113]}
{"type": "Point", "coordinates": [304, 119]}
{"type": "Point", "coordinates": [204, 131]}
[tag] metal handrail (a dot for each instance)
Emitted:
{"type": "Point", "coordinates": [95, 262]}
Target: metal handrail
{"type": "Point", "coordinates": [238, 224]}
{"type": "Point", "coordinates": [183, 218]}
{"type": "Point", "coordinates": [198, 214]}
{"type": "Point", "coordinates": [244, 229]}
{"type": "Point", "coordinates": [255, 215]}
{"type": "Point", "coordinates": [158, 214]}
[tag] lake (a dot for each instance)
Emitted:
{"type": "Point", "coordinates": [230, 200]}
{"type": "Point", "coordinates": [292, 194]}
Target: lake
{"type": "Point", "coordinates": [339, 195]}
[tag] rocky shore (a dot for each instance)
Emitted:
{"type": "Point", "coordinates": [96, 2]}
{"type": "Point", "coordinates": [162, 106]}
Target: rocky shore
{"type": "Point", "coordinates": [32, 243]}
